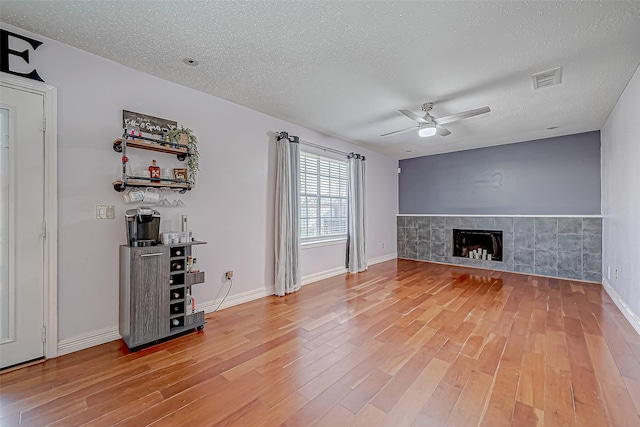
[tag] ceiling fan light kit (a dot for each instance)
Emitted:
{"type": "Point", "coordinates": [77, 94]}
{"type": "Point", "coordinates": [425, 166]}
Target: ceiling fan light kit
{"type": "Point", "coordinates": [426, 130]}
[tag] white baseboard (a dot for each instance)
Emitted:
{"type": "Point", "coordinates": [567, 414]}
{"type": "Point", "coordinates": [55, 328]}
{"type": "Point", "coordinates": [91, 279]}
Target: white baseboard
{"type": "Point", "coordinates": [232, 300]}
{"type": "Point", "coordinates": [102, 336]}
{"type": "Point", "coordinates": [323, 275]}
{"type": "Point", "coordinates": [382, 258]}
{"type": "Point", "coordinates": [341, 270]}
{"type": "Point", "coordinates": [80, 342]}
{"type": "Point", "coordinates": [628, 313]}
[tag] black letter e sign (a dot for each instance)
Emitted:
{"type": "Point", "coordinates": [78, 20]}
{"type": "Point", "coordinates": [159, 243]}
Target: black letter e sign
{"type": "Point", "coordinates": [5, 52]}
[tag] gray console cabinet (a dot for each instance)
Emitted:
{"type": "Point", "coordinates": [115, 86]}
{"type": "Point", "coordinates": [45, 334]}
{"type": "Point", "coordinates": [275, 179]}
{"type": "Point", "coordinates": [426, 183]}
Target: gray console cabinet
{"type": "Point", "coordinates": [153, 285]}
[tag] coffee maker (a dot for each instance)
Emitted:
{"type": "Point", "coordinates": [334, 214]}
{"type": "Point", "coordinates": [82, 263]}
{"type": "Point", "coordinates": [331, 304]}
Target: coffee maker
{"type": "Point", "coordinates": [143, 225]}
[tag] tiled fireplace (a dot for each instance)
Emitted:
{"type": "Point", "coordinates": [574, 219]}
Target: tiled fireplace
{"type": "Point", "coordinates": [567, 247]}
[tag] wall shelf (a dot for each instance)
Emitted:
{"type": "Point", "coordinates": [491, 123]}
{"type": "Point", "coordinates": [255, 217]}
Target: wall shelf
{"type": "Point", "coordinates": [121, 185]}
{"type": "Point", "coordinates": [181, 151]}
{"type": "Point", "coordinates": [144, 143]}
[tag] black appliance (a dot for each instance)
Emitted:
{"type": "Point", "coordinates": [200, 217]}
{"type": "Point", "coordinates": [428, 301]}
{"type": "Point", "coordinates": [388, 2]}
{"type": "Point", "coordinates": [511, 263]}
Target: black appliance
{"type": "Point", "coordinates": [143, 226]}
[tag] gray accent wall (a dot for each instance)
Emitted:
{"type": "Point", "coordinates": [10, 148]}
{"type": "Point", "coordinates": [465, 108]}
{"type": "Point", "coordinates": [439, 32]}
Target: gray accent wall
{"type": "Point", "coordinates": [554, 176]}
{"type": "Point", "coordinates": [566, 247]}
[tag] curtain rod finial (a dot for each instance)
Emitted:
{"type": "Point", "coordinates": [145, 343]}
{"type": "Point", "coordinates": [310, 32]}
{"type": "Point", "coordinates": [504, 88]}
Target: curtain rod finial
{"type": "Point", "coordinates": [285, 135]}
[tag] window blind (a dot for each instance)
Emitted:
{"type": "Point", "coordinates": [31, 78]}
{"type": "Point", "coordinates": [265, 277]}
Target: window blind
{"type": "Point", "coordinates": [323, 197]}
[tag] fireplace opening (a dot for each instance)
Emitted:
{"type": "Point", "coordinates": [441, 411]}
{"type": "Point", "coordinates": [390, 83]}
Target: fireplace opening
{"type": "Point", "coordinates": [478, 244]}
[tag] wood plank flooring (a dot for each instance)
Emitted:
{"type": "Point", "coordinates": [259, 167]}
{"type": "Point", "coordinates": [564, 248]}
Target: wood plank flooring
{"type": "Point", "coordinates": [404, 344]}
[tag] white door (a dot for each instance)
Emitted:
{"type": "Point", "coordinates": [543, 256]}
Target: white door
{"type": "Point", "coordinates": [21, 226]}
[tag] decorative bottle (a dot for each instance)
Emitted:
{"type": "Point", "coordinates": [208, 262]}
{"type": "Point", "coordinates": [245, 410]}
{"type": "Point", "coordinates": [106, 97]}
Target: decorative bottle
{"type": "Point", "coordinates": [194, 267]}
{"type": "Point", "coordinates": [154, 171]}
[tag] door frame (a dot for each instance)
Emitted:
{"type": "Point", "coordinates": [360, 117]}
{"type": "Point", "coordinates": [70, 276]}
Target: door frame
{"type": "Point", "coordinates": [50, 285]}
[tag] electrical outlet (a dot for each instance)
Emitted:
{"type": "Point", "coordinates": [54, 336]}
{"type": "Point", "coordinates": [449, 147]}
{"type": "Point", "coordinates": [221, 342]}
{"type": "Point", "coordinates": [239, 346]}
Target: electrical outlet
{"type": "Point", "coordinates": [228, 275]}
{"type": "Point", "coordinates": [616, 274]}
{"type": "Point", "coordinates": [383, 246]}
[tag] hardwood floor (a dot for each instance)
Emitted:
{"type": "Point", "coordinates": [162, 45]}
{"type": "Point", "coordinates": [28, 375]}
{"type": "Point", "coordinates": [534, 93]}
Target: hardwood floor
{"type": "Point", "coordinates": [404, 344]}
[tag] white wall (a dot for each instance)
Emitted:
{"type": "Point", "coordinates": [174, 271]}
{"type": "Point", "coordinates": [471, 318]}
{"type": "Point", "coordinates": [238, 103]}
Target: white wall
{"type": "Point", "coordinates": [231, 207]}
{"type": "Point", "coordinates": [621, 201]}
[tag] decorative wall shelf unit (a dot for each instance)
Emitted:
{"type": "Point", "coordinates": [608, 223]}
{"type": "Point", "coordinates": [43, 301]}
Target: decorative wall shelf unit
{"type": "Point", "coordinates": [181, 151]}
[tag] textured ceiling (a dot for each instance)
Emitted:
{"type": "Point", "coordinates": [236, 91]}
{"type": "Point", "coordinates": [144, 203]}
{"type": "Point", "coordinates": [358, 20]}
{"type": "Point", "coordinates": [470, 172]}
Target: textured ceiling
{"type": "Point", "coordinates": [345, 68]}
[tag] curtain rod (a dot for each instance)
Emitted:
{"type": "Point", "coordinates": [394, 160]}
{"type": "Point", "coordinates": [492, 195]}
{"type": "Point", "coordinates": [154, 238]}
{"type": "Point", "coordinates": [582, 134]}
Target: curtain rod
{"type": "Point", "coordinates": [319, 147]}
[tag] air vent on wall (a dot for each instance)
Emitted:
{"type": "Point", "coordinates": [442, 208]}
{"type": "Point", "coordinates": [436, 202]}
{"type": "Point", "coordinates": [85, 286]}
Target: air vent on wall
{"type": "Point", "coordinates": [547, 78]}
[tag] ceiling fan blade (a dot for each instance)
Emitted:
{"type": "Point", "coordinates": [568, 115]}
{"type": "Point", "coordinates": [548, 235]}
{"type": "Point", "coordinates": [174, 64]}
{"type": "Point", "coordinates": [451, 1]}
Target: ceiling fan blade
{"type": "Point", "coordinates": [413, 116]}
{"type": "Point", "coordinates": [442, 131]}
{"type": "Point", "coordinates": [400, 131]}
{"type": "Point", "coordinates": [459, 116]}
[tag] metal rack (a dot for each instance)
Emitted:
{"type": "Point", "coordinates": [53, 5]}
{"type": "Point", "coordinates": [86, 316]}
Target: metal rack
{"type": "Point", "coordinates": [181, 151]}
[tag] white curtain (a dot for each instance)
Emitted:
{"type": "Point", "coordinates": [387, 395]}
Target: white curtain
{"type": "Point", "coordinates": [356, 200]}
{"type": "Point", "coordinates": [287, 221]}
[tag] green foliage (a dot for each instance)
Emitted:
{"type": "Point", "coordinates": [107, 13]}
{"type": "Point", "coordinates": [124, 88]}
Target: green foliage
{"type": "Point", "coordinates": [193, 160]}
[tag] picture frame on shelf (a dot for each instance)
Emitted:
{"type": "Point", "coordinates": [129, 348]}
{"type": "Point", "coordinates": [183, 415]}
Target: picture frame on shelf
{"type": "Point", "coordinates": [180, 173]}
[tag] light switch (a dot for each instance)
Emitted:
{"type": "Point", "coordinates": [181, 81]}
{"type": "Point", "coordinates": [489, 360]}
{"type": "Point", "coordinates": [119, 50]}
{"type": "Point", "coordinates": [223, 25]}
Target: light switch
{"type": "Point", "coordinates": [105, 211]}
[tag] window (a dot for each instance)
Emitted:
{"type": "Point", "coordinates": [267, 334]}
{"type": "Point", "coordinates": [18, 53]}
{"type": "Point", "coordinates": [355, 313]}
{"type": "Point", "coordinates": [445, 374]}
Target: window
{"type": "Point", "coordinates": [323, 197]}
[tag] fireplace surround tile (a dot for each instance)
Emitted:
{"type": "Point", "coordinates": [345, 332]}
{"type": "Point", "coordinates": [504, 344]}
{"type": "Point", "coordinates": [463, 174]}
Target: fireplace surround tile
{"type": "Point", "coordinates": [437, 222]}
{"type": "Point", "coordinates": [546, 263]}
{"type": "Point", "coordinates": [448, 248]}
{"type": "Point", "coordinates": [508, 245]}
{"type": "Point", "coordinates": [484, 223]}
{"type": "Point", "coordinates": [569, 225]}
{"type": "Point", "coordinates": [546, 225]}
{"type": "Point", "coordinates": [523, 268]}
{"type": "Point", "coordinates": [523, 257]}
{"type": "Point", "coordinates": [592, 244]}
{"type": "Point", "coordinates": [592, 262]}
{"type": "Point", "coordinates": [569, 265]}
{"type": "Point", "coordinates": [524, 241]}
{"type": "Point", "coordinates": [411, 222]}
{"type": "Point", "coordinates": [412, 234]}
{"type": "Point", "coordinates": [504, 223]}
{"type": "Point", "coordinates": [592, 226]}
{"type": "Point", "coordinates": [402, 248]}
{"type": "Point", "coordinates": [570, 242]}
{"type": "Point", "coordinates": [424, 249]}
{"type": "Point", "coordinates": [412, 249]}
{"type": "Point", "coordinates": [424, 228]}
{"type": "Point", "coordinates": [592, 276]}
{"type": "Point", "coordinates": [523, 225]}
{"type": "Point", "coordinates": [569, 247]}
{"type": "Point", "coordinates": [437, 249]}
{"type": "Point", "coordinates": [546, 242]}
{"type": "Point", "coordinates": [438, 235]}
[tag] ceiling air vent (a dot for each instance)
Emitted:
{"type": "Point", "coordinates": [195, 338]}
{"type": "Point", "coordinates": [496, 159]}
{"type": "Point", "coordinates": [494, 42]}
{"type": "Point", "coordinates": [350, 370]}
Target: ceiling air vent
{"type": "Point", "coordinates": [547, 78]}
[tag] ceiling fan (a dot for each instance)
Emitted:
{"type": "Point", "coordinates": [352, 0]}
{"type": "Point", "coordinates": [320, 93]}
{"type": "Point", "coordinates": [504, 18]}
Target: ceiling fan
{"type": "Point", "coordinates": [429, 125]}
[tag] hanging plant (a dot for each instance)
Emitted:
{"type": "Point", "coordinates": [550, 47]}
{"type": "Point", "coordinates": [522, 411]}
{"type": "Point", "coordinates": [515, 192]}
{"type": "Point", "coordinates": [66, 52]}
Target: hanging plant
{"type": "Point", "coordinates": [193, 159]}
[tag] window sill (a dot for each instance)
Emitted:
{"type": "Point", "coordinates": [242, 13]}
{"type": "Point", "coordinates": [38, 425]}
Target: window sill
{"type": "Point", "coordinates": [319, 243]}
